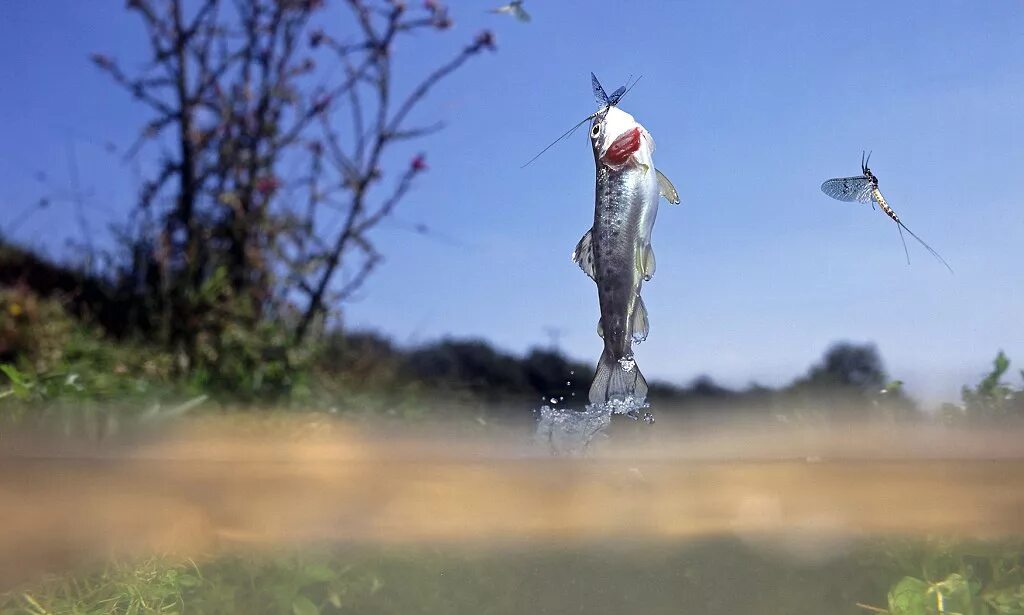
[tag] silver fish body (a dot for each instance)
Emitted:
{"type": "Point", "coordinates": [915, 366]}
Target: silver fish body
{"type": "Point", "coordinates": [616, 252]}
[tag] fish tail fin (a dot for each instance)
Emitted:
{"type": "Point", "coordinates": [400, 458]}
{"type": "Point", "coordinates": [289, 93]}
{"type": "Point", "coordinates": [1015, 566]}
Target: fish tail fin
{"type": "Point", "coordinates": [617, 380]}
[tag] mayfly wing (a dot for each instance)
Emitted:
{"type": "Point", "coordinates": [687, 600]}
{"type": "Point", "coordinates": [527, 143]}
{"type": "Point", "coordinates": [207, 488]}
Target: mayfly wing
{"type": "Point", "coordinates": [848, 189]}
{"type": "Point", "coordinates": [599, 92]}
{"type": "Point", "coordinates": [616, 95]}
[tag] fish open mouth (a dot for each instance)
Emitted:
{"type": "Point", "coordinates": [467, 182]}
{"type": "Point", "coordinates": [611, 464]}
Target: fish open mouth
{"type": "Point", "coordinates": [624, 146]}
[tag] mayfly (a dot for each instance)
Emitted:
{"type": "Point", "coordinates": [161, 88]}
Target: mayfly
{"type": "Point", "coordinates": [864, 189]}
{"type": "Point", "coordinates": [514, 8]}
{"type": "Point", "coordinates": [607, 102]}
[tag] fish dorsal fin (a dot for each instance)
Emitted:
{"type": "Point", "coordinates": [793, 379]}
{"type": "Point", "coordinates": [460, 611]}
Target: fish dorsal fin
{"type": "Point", "coordinates": [649, 263]}
{"type": "Point", "coordinates": [640, 325]}
{"type": "Point", "coordinates": [583, 255]}
{"type": "Point", "coordinates": [667, 189]}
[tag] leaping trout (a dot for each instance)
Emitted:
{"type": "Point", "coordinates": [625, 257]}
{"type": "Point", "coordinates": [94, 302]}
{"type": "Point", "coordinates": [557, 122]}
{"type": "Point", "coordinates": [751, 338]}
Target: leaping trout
{"type": "Point", "coordinates": [616, 252]}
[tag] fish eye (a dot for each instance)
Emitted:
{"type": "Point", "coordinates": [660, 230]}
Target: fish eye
{"type": "Point", "coordinates": [595, 131]}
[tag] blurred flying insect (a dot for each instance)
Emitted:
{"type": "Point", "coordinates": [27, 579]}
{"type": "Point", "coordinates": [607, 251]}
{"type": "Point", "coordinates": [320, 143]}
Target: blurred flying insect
{"type": "Point", "coordinates": [514, 8]}
{"type": "Point", "coordinates": [864, 189]}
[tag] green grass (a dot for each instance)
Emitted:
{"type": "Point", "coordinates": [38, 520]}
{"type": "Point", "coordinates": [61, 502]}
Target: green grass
{"type": "Point", "coordinates": [712, 577]}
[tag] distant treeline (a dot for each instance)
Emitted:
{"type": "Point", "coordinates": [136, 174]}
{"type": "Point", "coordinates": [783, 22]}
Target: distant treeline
{"type": "Point", "coordinates": [849, 381]}
{"type": "Point", "coordinates": [56, 321]}
{"type": "Point", "coordinates": [848, 374]}
{"type": "Point", "coordinates": [849, 378]}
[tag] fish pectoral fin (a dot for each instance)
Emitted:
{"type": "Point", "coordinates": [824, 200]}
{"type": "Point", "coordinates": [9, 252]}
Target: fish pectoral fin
{"type": "Point", "coordinates": [640, 324]}
{"type": "Point", "coordinates": [583, 255]}
{"type": "Point", "coordinates": [649, 264]}
{"type": "Point", "coordinates": [666, 189]}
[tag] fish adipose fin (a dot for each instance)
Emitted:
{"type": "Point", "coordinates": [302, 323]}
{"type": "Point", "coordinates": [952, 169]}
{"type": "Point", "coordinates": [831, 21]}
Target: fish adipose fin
{"type": "Point", "coordinates": [667, 189]}
{"type": "Point", "coordinates": [617, 380]}
{"type": "Point", "coordinates": [639, 324]}
{"type": "Point", "coordinates": [583, 255]}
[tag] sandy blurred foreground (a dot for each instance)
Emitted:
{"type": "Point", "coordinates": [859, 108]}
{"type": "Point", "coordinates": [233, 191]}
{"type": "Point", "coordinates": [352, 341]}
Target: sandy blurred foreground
{"type": "Point", "coordinates": [212, 487]}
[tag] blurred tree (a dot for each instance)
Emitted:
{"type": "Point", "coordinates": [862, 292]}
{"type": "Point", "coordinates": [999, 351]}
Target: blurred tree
{"type": "Point", "coordinates": [551, 374]}
{"type": "Point", "coordinates": [705, 386]}
{"type": "Point", "coordinates": [472, 365]}
{"type": "Point", "coordinates": [223, 236]}
{"type": "Point", "coordinates": [991, 399]}
{"type": "Point", "coordinates": [849, 379]}
{"type": "Point", "coordinates": [846, 365]}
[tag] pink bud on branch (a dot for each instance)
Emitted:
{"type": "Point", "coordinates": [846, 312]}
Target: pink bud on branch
{"type": "Point", "coordinates": [267, 185]}
{"type": "Point", "coordinates": [485, 40]}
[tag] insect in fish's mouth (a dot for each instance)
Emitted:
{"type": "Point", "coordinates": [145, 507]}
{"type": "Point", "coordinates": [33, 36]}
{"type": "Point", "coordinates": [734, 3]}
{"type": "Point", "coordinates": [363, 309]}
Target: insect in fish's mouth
{"type": "Point", "coordinates": [607, 103]}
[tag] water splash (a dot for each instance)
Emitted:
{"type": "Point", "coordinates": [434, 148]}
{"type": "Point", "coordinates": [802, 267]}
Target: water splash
{"type": "Point", "coordinates": [635, 408]}
{"type": "Point", "coordinates": [571, 432]}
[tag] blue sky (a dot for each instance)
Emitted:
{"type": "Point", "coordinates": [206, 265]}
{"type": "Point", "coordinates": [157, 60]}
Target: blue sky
{"type": "Point", "coordinates": [752, 104]}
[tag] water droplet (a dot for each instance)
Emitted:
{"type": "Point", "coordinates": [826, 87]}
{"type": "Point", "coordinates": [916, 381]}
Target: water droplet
{"type": "Point", "coordinates": [572, 373]}
{"type": "Point", "coordinates": [568, 383]}
{"type": "Point", "coordinates": [553, 400]}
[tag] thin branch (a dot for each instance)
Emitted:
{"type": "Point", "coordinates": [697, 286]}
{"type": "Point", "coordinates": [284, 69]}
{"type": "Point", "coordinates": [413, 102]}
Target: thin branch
{"type": "Point", "coordinates": [415, 133]}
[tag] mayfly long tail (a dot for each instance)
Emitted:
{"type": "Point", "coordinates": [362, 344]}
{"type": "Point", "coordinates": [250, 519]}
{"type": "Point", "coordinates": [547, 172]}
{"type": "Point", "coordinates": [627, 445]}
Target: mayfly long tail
{"type": "Point", "coordinates": [555, 142]}
{"type": "Point", "coordinates": [877, 197]}
{"type": "Point", "coordinates": [926, 246]}
{"type": "Point", "coordinates": [899, 227]}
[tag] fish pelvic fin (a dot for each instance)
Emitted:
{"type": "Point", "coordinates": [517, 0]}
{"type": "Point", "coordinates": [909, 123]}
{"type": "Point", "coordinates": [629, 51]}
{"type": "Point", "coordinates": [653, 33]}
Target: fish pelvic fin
{"type": "Point", "coordinates": [649, 263]}
{"type": "Point", "coordinates": [640, 325]}
{"type": "Point", "coordinates": [617, 379]}
{"type": "Point", "coordinates": [583, 255]}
